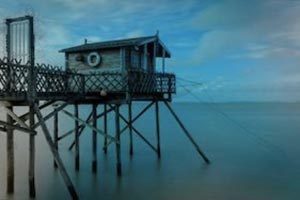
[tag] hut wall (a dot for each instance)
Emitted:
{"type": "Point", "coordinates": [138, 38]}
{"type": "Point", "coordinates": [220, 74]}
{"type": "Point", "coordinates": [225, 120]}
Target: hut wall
{"type": "Point", "coordinates": [110, 61]}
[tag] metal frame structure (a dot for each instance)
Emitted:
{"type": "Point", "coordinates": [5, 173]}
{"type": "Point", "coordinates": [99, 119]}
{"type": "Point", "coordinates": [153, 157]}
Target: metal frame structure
{"type": "Point", "coordinates": [27, 85]}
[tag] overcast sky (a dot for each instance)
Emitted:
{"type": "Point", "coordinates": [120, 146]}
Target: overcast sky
{"type": "Point", "coordinates": [240, 50]}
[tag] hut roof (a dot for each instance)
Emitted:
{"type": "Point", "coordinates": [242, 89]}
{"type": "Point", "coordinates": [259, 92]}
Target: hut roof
{"type": "Point", "coordinates": [138, 41]}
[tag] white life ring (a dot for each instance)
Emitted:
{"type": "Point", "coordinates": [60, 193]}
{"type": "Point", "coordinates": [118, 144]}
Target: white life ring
{"type": "Point", "coordinates": [93, 59]}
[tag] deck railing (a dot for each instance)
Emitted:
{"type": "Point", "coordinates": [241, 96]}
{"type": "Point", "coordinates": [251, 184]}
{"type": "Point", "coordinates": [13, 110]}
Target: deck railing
{"type": "Point", "coordinates": [15, 80]}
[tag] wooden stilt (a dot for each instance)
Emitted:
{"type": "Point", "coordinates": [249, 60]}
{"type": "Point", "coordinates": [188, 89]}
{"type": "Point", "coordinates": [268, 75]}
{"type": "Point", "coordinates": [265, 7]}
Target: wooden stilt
{"type": "Point", "coordinates": [105, 128]}
{"type": "Point", "coordinates": [111, 138]}
{"type": "Point", "coordinates": [130, 128]}
{"type": "Point", "coordinates": [83, 125]}
{"type": "Point", "coordinates": [31, 170]}
{"type": "Point", "coordinates": [187, 133]}
{"type": "Point", "coordinates": [25, 116]}
{"type": "Point", "coordinates": [76, 138]}
{"type": "Point", "coordinates": [94, 162]}
{"type": "Point", "coordinates": [55, 133]}
{"type": "Point", "coordinates": [138, 133]}
{"type": "Point", "coordinates": [56, 156]}
{"type": "Point", "coordinates": [10, 155]}
{"type": "Point", "coordinates": [50, 115]}
{"type": "Point", "coordinates": [118, 143]}
{"type": "Point", "coordinates": [132, 121]}
{"type": "Point", "coordinates": [157, 128]}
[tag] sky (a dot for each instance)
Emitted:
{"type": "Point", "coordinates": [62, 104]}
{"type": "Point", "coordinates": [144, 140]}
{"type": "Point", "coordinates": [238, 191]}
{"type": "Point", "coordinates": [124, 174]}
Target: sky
{"type": "Point", "coordinates": [239, 50]}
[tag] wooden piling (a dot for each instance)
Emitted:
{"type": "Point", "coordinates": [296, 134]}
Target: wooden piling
{"type": "Point", "coordinates": [130, 128]}
{"type": "Point", "coordinates": [189, 136]}
{"type": "Point", "coordinates": [118, 143]}
{"type": "Point", "coordinates": [31, 169]}
{"type": "Point", "coordinates": [76, 138]}
{"type": "Point", "coordinates": [10, 155]}
{"type": "Point", "coordinates": [94, 141]}
{"type": "Point", "coordinates": [56, 156]}
{"type": "Point", "coordinates": [55, 133]}
{"type": "Point", "coordinates": [105, 128]}
{"type": "Point", "coordinates": [157, 128]}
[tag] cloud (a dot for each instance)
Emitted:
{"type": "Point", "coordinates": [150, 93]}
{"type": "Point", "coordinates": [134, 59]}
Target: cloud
{"type": "Point", "coordinates": [254, 44]}
{"type": "Point", "coordinates": [230, 26]}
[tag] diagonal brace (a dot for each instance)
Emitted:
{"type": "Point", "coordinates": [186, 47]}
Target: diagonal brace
{"type": "Point", "coordinates": [132, 121]}
{"type": "Point", "coordinates": [90, 126]}
{"type": "Point", "coordinates": [81, 128]}
{"type": "Point", "coordinates": [56, 156]}
{"type": "Point", "coordinates": [138, 133]}
{"type": "Point", "coordinates": [88, 120]}
{"type": "Point", "coordinates": [187, 133]}
{"type": "Point", "coordinates": [25, 116]}
{"type": "Point", "coordinates": [62, 106]}
{"type": "Point", "coordinates": [11, 126]}
{"type": "Point", "coordinates": [15, 117]}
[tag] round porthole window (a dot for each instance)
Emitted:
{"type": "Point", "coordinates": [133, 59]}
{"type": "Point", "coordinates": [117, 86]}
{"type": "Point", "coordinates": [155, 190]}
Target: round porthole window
{"type": "Point", "coordinates": [93, 59]}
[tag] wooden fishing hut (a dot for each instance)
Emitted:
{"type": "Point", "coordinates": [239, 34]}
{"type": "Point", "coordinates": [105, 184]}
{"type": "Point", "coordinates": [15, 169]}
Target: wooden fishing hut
{"type": "Point", "coordinates": [110, 74]}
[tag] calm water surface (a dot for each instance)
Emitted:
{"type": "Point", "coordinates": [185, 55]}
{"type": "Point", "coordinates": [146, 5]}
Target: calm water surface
{"type": "Point", "coordinates": [262, 163]}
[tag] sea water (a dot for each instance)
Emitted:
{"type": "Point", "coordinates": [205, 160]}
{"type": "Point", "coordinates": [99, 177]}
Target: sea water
{"type": "Point", "coordinates": [253, 147]}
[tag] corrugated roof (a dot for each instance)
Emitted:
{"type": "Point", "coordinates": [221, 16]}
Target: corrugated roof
{"type": "Point", "coordinates": [108, 44]}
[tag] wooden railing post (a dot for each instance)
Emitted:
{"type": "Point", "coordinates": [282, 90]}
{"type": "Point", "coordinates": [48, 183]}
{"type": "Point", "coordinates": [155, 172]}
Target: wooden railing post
{"type": "Point", "coordinates": [82, 78]}
{"type": "Point", "coordinates": [9, 79]}
{"type": "Point", "coordinates": [31, 90]}
{"type": "Point", "coordinates": [66, 81]}
{"type": "Point", "coordinates": [161, 83]}
{"type": "Point", "coordinates": [8, 52]}
{"type": "Point", "coordinates": [169, 87]}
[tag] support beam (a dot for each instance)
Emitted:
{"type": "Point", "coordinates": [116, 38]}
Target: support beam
{"type": "Point", "coordinates": [31, 167]}
{"type": "Point", "coordinates": [189, 136]}
{"type": "Point", "coordinates": [118, 143]}
{"type": "Point", "coordinates": [88, 120]}
{"type": "Point", "coordinates": [25, 116]}
{"type": "Point", "coordinates": [157, 128]}
{"type": "Point", "coordinates": [10, 155]}
{"type": "Point", "coordinates": [55, 133]}
{"type": "Point", "coordinates": [142, 112]}
{"type": "Point", "coordinates": [133, 120]}
{"type": "Point", "coordinates": [13, 116]}
{"type": "Point", "coordinates": [66, 134]}
{"type": "Point", "coordinates": [130, 128]}
{"type": "Point", "coordinates": [16, 127]}
{"type": "Point", "coordinates": [94, 141]}
{"type": "Point", "coordinates": [62, 106]}
{"type": "Point", "coordinates": [139, 134]}
{"type": "Point", "coordinates": [3, 129]}
{"type": "Point", "coordinates": [56, 156]}
{"type": "Point", "coordinates": [105, 128]}
{"type": "Point", "coordinates": [77, 159]}
{"type": "Point", "coordinates": [82, 127]}
{"type": "Point", "coordinates": [111, 138]}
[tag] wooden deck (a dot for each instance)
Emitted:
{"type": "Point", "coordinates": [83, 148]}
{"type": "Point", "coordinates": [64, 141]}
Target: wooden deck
{"type": "Point", "coordinates": [21, 83]}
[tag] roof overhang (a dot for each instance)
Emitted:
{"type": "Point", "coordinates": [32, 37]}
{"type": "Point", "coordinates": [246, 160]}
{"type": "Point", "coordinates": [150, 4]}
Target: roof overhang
{"type": "Point", "coordinates": [162, 47]}
{"type": "Point", "coordinates": [162, 50]}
